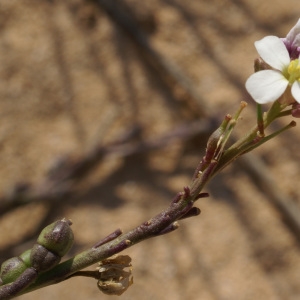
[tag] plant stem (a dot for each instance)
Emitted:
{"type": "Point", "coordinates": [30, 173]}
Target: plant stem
{"type": "Point", "coordinates": [160, 224]}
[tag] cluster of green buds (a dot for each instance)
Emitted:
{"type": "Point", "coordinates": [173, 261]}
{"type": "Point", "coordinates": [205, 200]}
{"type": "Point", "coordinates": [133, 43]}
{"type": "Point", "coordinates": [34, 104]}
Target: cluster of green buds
{"type": "Point", "coordinates": [53, 243]}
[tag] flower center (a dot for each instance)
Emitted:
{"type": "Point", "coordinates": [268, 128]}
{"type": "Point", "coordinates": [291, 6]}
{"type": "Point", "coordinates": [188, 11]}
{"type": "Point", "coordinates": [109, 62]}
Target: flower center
{"type": "Point", "coordinates": [293, 71]}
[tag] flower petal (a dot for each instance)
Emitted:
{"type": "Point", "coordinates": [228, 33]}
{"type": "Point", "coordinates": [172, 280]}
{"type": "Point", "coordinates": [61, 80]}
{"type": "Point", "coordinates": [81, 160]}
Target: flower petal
{"type": "Point", "coordinates": [293, 37]}
{"type": "Point", "coordinates": [296, 91]}
{"type": "Point", "coordinates": [273, 51]}
{"type": "Point", "coordinates": [292, 41]}
{"type": "Point", "coordinates": [266, 86]}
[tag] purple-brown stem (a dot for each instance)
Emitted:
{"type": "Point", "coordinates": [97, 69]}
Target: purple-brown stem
{"type": "Point", "coordinates": [162, 223]}
{"type": "Point", "coordinates": [11, 290]}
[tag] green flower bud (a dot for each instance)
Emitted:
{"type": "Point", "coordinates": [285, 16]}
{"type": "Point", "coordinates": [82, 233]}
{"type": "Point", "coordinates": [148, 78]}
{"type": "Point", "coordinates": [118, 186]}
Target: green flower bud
{"type": "Point", "coordinates": [11, 269]}
{"type": "Point", "coordinates": [42, 259]}
{"type": "Point", "coordinates": [25, 256]}
{"type": "Point", "coordinates": [57, 237]}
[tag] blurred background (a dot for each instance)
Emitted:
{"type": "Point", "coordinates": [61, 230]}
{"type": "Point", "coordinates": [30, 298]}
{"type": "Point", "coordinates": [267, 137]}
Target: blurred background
{"type": "Point", "coordinates": [105, 110]}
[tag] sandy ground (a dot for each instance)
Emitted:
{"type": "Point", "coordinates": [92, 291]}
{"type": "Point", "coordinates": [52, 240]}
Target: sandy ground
{"type": "Point", "coordinates": [71, 78]}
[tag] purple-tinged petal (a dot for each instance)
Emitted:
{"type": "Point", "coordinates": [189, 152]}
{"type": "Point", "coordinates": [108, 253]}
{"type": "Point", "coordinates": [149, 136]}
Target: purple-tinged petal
{"type": "Point", "coordinates": [273, 51]}
{"type": "Point", "coordinates": [296, 90]}
{"type": "Point", "coordinates": [292, 41]}
{"type": "Point", "coordinates": [266, 86]}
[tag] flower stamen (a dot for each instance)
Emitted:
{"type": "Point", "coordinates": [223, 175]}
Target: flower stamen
{"type": "Point", "coordinates": [293, 71]}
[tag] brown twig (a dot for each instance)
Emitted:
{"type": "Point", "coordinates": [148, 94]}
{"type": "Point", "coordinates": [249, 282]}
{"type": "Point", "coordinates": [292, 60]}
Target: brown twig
{"type": "Point", "coordinates": [162, 223]}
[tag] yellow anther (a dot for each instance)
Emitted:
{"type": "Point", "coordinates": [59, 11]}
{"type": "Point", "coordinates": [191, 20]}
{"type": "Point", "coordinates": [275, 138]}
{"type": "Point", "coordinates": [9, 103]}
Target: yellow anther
{"type": "Point", "coordinates": [293, 71]}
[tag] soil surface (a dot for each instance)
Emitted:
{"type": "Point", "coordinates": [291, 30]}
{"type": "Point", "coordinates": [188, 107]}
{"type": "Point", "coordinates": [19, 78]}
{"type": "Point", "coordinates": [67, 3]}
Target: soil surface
{"type": "Point", "coordinates": [77, 77]}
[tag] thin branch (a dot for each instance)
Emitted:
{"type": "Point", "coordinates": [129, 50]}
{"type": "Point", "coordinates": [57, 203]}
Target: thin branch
{"type": "Point", "coordinates": [162, 223]}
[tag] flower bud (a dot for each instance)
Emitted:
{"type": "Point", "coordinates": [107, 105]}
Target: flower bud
{"type": "Point", "coordinates": [57, 237]}
{"type": "Point", "coordinates": [25, 256]}
{"type": "Point", "coordinates": [259, 65]}
{"type": "Point", "coordinates": [11, 269]}
{"type": "Point", "coordinates": [42, 259]}
{"type": "Point", "coordinates": [214, 142]}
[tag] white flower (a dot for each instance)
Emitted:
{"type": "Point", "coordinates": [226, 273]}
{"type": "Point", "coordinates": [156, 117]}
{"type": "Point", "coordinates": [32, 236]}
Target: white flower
{"type": "Point", "coordinates": [268, 85]}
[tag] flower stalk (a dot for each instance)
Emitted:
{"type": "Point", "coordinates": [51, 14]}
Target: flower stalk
{"type": "Point", "coordinates": [276, 79]}
{"type": "Point", "coordinates": [181, 207]}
